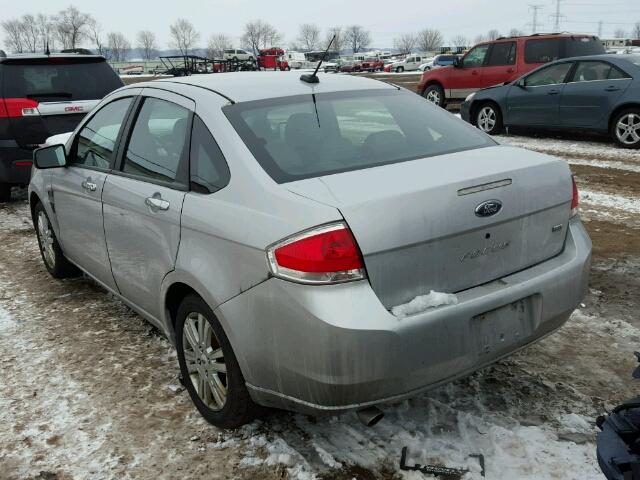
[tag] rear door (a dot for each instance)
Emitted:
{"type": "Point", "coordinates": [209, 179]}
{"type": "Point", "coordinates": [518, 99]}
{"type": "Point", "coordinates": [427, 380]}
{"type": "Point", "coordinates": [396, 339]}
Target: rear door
{"type": "Point", "coordinates": [142, 200]}
{"type": "Point", "coordinates": [591, 94]}
{"type": "Point", "coordinates": [535, 100]}
{"type": "Point", "coordinates": [54, 93]}
{"type": "Point", "coordinates": [77, 189]}
{"type": "Point", "coordinates": [468, 78]}
{"type": "Point", "coordinates": [501, 64]}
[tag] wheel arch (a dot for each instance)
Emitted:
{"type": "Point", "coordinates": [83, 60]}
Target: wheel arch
{"type": "Point", "coordinates": [433, 82]}
{"type": "Point", "coordinates": [616, 111]}
{"type": "Point", "coordinates": [33, 200]}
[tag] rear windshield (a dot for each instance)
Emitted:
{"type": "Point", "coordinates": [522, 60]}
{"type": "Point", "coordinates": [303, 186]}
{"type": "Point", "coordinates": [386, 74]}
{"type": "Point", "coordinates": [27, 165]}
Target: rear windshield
{"type": "Point", "coordinates": [59, 81]}
{"type": "Point", "coordinates": [294, 138]}
{"type": "Point", "coordinates": [549, 49]}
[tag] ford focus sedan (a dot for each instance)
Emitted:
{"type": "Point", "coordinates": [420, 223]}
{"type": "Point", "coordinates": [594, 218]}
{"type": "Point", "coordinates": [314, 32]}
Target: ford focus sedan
{"type": "Point", "coordinates": [318, 247]}
{"type": "Point", "coordinates": [599, 93]}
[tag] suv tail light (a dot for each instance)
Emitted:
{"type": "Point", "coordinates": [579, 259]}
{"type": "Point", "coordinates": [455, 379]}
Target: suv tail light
{"type": "Point", "coordinates": [322, 255]}
{"type": "Point", "coordinates": [576, 198]}
{"type": "Point", "coordinates": [18, 107]}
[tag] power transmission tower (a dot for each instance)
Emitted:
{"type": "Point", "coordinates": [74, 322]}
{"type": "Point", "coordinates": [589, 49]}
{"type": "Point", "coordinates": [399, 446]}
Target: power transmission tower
{"type": "Point", "coordinates": [534, 20]}
{"type": "Point", "coordinates": [557, 16]}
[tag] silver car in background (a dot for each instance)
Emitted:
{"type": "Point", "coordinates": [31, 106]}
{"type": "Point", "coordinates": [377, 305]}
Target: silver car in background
{"type": "Point", "coordinates": [319, 247]}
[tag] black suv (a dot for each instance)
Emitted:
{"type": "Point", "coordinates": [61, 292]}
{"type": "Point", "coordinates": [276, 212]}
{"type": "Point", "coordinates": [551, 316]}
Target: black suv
{"type": "Point", "coordinates": [40, 96]}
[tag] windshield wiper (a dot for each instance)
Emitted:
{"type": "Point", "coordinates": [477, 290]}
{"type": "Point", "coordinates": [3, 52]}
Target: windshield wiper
{"type": "Point", "coordinates": [48, 95]}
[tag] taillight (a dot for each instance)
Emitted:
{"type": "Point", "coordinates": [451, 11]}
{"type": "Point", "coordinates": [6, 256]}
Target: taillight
{"type": "Point", "coordinates": [18, 107]}
{"type": "Point", "coordinates": [326, 254]}
{"type": "Point", "coordinates": [576, 198]}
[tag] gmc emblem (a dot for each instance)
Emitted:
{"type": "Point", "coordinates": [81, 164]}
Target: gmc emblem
{"type": "Point", "coordinates": [73, 109]}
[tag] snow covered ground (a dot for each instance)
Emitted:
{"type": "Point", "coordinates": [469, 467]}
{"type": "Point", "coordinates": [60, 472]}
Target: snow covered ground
{"type": "Point", "coordinates": [89, 389]}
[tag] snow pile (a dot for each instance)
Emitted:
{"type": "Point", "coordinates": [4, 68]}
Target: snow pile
{"type": "Point", "coordinates": [424, 302]}
{"type": "Point", "coordinates": [606, 200]}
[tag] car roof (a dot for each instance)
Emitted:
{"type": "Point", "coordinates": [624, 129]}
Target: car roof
{"type": "Point", "coordinates": [603, 56]}
{"type": "Point", "coordinates": [16, 58]}
{"type": "Point", "coordinates": [249, 86]}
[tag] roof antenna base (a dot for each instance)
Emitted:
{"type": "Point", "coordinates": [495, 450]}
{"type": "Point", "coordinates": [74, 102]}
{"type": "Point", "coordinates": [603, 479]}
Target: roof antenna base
{"type": "Point", "coordinates": [313, 78]}
{"type": "Point", "coordinates": [310, 78]}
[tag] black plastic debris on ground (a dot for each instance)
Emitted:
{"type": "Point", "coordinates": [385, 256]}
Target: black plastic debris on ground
{"type": "Point", "coordinates": [437, 470]}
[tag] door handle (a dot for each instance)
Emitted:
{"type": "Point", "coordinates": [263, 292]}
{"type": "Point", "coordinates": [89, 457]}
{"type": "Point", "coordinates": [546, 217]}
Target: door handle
{"type": "Point", "coordinates": [157, 203]}
{"type": "Point", "coordinates": [474, 72]}
{"type": "Point", "coordinates": [89, 185]}
{"type": "Point", "coordinates": [510, 70]}
{"type": "Point", "coordinates": [611, 89]}
{"type": "Point", "coordinates": [553, 92]}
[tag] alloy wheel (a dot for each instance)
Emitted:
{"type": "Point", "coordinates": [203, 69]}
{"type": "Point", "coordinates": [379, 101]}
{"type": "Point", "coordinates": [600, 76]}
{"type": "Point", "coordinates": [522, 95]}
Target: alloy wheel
{"type": "Point", "coordinates": [628, 128]}
{"type": "Point", "coordinates": [45, 235]}
{"type": "Point", "coordinates": [205, 361]}
{"type": "Point", "coordinates": [434, 97]}
{"type": "Point", "coordinates": [487, 119]}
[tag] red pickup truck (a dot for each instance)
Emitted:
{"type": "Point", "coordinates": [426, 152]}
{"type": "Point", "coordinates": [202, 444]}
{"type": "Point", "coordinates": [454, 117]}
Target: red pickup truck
{"type": "Point", "coordinates": [501, 61]}
{"type": "Point", "coordinates": [372, 64]}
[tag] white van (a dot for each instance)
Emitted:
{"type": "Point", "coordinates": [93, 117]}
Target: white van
{"type": "Point", "coordinates": [411, 62]}
{"type": "Point", "coordinates": [295, 59]}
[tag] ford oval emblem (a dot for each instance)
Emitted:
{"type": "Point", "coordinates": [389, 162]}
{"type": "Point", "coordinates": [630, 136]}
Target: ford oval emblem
{"type": "Point", "coordinates": [488, 208]}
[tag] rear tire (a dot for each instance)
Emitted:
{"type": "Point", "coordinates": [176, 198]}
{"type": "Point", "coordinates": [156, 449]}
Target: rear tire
{"type": "Point", "coordinates": [209, 368]}
{"type": "Point", "coordinates": [5, 192]}
{"type": "Point", "coordinates": [399, 69]}
{"type": "Point", "coordinates": [54, 260]}
{"type": "Point", "coordinates": [435, 94]}
{"type": "Point", "coordinates": [625, 128]}
{"type": "Point", "coordinates": [488, 118]}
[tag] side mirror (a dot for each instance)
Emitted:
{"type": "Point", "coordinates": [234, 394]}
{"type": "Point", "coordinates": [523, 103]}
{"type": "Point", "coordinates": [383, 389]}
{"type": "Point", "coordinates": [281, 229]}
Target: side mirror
{"type": "Point", "coordinates": [52, 156]}
{"type": "Point", "coordinates": [457, 62]}
{"type": "Point", "coordinates": [520, 83]}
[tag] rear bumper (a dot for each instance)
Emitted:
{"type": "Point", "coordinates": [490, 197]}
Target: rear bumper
{"type": "Point", "coordinates": [15, 163]}
{"type": "Point", "coordinates": [336, 348]}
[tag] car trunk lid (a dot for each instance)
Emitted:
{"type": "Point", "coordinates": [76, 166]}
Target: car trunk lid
{"type": "Point", "coordinates": [418, 227]}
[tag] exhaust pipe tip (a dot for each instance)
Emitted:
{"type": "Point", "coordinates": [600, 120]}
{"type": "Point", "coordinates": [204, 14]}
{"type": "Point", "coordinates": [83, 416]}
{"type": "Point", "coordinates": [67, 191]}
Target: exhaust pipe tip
{"type": "Point", "coordinates": [370, 416]}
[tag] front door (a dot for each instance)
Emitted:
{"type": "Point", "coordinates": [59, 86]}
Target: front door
{"type": "Point", "coordinates": [535, 99]}
{"type": "Point", "coordinates": [142, 201]}
{"type": "Point", "coordinates": [591, 94]}
{"type": "Point", "coordinates": [501, 66]}
{"type": "Point", "coordinates": [467, 78]}
{"type": "Point", "coordinates": [77, 190]}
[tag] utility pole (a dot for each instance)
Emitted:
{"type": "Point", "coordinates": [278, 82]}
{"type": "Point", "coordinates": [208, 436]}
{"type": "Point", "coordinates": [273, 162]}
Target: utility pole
{"type": "Point", "coordinates": [600, 29]}
{"type": "Point", "coordinates": [534, 21]}
{"type": "Point", "coordinates": [557, 16]}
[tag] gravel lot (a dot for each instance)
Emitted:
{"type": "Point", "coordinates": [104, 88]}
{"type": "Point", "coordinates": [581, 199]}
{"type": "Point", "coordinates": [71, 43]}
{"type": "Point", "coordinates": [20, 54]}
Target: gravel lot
{"type": "Point", "coordinates": [90, 390]}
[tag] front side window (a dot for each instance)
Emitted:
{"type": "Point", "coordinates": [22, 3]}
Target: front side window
{"type": "Point", "coordinates": [593, 71]}
{"type": "Point", "coordinates": [97, 139]}
{"type": "Point", "coordinates": [551, 75]}
{"type": "Point", "coordinates": [502, 54]}
{"type": "Point", "coordinates": [157, 143]}
{"type": "Point", "coordinates": [476, 56]}
{"type": "Point", "coordinates": [209, 169]}
{"type": "Point", "coordinates": [308, 136]}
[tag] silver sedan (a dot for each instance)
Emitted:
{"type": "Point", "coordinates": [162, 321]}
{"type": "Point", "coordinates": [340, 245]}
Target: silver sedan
{"type": "Point", "coordinates": [319, 247]}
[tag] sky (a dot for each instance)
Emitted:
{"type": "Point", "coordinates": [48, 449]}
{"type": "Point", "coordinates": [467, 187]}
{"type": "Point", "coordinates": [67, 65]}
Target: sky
{"type": "Point", "coordinates": [385, 20]}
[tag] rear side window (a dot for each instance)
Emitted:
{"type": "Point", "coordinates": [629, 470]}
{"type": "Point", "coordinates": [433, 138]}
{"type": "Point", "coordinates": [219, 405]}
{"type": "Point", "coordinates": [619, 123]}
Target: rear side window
{"type": "Point", "coordinates": [48, 81]}
{"type": "Point", "coordinates": [592, 71]}
{"type": "Point", "coordinates": [158, 140]}
{"type": "Point", "coordinates": [96, 140]}
{"type": "Point", "coordinates": [502, 54]}
{"type": "Point", "coordinates": [550, 49]}
{"type": "Point", "coordinates": [209, 169]}
{"type": "Point", "coordinates": [308, 136]}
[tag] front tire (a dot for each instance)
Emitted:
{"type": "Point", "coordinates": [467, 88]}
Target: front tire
{"type": "Point", "coordinates": [435, 94]}
{"type": "Point", "coordinates": [488, 118]}
{"type": "Point", "coordinates": [54, 260]}
{"type": "Point", "coordinates": [399, 69]}
{"type": "Point", "coordinates": [5, 192]}
{"type": "Point", "coordinates": [625, 128]}
{"type": "Point", "coordinates": [209, 368]}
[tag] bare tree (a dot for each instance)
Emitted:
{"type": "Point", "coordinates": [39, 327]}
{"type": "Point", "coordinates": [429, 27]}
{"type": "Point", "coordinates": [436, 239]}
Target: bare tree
{"type": "Point", "coordinates": [515, 32]}
{"type": "Point", "coordinates": [218, 43]}
{"type": "Point", "coordinates": [429, 40]}
{"type": "Point", "coordinates": [13, 35]}
{"type": "Point", "coordinates": [339, 38]}
{"type": "Point", "coordinates": [480, 38]}
{"type": "Point", "coordinates": [357, 37]}
{"type": "Point", "coordinates": [493, 34]}
{"type": "Point", "coordinates": [148, 44]}
{"type": "Point", "coordinates": [94, 33]}
{"type": "Point", "coordinates": [71, 26]}
{"type": "Point", "coordinates": [118, 46]}
{"type": "Point", "coordinates": [30, 33]}
{"type": "Point", "coordinates": [619, 33]}
{"type": "Point", "coordinates": [259, 34]}
{"type": "Point", "coordinates": [45, 28]}
{"type": "Point", "coordinates": [460, 41]}
{"type": "Point", "coordinates": [636, 30]}
{"type": "Point", "coordinates": [183, 35]}
{"type": "Point", "coordinates": [405, 42]}
{"type": "Point", "coordinates": [309, 36]}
